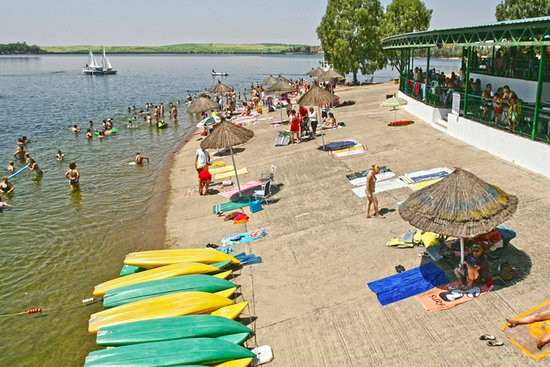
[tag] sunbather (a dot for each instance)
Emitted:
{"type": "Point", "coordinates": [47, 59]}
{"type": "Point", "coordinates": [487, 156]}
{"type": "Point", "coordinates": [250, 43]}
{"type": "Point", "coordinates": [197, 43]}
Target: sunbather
{"type": "Point", "coordinates": [536, 317]}
{"type": "Point", "coordinates": [370, 188]}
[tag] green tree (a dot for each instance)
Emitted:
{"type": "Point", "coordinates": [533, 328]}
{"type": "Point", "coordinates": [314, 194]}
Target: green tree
{"type": "Point", "coordinates": [521, 9]}
{"type": "Point", "coordinates": [350, 34]}
{"type": "Point", "coordinates": [405, 16]}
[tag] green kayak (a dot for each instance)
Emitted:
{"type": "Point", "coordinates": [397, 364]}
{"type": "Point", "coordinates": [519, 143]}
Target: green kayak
{"type": "Point", "coordinates": [169, 353]}
{"type": "Point", "coordinates": [186, 283]}
{"type": "Point", "coordinates": [183, 327]}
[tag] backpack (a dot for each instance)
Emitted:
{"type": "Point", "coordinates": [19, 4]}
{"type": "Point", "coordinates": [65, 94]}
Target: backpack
{"type": "Point", "coordinates": [507, 271]}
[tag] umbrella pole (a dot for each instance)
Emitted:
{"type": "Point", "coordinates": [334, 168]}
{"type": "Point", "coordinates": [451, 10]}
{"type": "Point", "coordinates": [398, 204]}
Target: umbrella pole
{"type": "Point", "coordinates": [235, 168]}
{"type": "Point", "coordinates": [320, 124]}
{"type": "Point", "coordinates": [461, 250]}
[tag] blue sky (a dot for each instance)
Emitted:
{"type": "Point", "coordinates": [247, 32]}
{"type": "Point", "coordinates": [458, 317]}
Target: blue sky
{"type": "Point", "coordinates": [163, 22]}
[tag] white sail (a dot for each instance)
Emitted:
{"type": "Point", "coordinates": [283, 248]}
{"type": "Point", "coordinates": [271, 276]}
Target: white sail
{"type": "Point", "coordinates": [105, 62]}
{"type": "Point", "coordinates": [91, 60]}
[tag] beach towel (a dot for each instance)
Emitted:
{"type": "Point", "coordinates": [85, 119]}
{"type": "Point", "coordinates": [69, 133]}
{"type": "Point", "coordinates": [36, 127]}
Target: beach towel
{"type": "Point", "coordinates": [244, 237]}
{"type": "Point", "coordinates": [221, 176]}
{"type": "Point", "coordinates": [408, 283]}
{"type": "Point", "coordinates": [423, 184]}
{"type": "Point", "coordinates": [364, 173]}
{"type": "Point", "coordinates": [361, 181]}
{"type": "Point", "coordinates": [449, 296]}
{"type": "Point", "coordinates": [222, 169]}
{"type": "Point", "coordinates": [337, 145]}
{"type": "Point", "coordinates": [380, 187]}
{"type": "Point", "coordinates": [525, 336]}
{"type": "Point", "coordinates": [244, 187]}
{"type": "Point", "coordinates": [231, 205]}
{"type": "Point", "coordinates": [351, 151]}
{"type": "Point", "coordinates": [217, 164]}
{"type": "Point", "coordinates": [429, 174]}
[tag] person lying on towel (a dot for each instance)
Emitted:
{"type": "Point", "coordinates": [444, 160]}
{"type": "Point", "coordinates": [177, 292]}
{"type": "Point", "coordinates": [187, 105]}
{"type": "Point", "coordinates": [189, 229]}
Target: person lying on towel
{"type": "Point", "coordinates": [529, 319]}
{"type": "Point", "coordinates": [474, 269]}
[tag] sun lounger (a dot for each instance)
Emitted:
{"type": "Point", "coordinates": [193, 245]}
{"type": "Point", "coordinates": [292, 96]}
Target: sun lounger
{"type": "Point", "coordinates": [231, 205]}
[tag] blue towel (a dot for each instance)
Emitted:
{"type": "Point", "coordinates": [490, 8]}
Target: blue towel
{"type": "Point", "coordinates": [407, 284]}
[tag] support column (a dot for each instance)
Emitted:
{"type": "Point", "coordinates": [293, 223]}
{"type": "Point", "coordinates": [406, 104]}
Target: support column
{"type": "Point", "coordinates": [428, 73]}
{"type": "Point", "coordinates": [540, 81]}
{"type": "Point", "coordinates": [493, 62]}
{"type": "Point", "coordinates": [401, 70]}
{"type": "Point", "coordinates": [467, 84]}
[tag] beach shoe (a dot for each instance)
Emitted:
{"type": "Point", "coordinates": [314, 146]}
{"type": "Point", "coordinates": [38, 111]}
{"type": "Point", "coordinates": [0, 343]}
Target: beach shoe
{"type": "Point", "coordinates": [398, 269]}
{"type": "Point", "coordinates": [495, 343]}
{"type": "Point", "coordinates": [487, 337]}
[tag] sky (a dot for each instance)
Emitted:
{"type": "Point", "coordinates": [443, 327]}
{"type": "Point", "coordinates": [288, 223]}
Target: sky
{"type": "Point", "coordinates": [166, 22]}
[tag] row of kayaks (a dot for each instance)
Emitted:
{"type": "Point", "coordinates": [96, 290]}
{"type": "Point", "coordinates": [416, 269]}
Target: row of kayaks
{"type": "Point", "coordinates": [172, 309]}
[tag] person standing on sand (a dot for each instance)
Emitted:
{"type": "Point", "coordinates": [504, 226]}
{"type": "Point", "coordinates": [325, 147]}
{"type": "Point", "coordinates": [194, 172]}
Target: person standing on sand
{"type": "Point", "coordinates": [370, 189]}
{"type": "Point", "coordinates": [202, 158]}
{"type": "Point", "coordinates": [73, 175]}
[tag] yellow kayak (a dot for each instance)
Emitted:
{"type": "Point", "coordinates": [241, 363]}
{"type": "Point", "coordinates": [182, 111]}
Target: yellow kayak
{"type": "Point", "coordinates": [243, 362]}
{"type": "Point", "coordinates": [156, 258]}
{"type": "Point", "coordinates": [182, 268]}
{"type": "Point", "coordinates": [170, 305]}
{"type": "Point", "coordinates": [231, 311]}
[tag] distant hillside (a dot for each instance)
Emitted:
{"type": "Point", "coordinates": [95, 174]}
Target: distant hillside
{"type": "Point", "coordinates": [194, 48]}
{"type": "Point", "coordinates": [19, 48]}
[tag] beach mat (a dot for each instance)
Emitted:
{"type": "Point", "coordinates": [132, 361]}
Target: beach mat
{"type": "Point", "coordinates": [449, 296]}
{"type": "Point", "coordinates": [361, 181]}
{"type": "Point", "coordinates": [422, 184]}
{"type": "Point", "coordinates": [351, 151]}
{"type": "Point", "coordinates": [425, 175]}
{"type": "Point", "coordinates": [224, 175]}
{"type": "Point", "coordinates": [364, 173]}
{"type": "Point", "coordinates": [339, 145]}
{"type": "Point", "coordinates": [222, 169]}
{"type": "Point", "coordinates": [525, 336]}
{"type": "Point", "coordinates": [231, 205]}
{"type": "Point", "coordinates": [244, 187]}
{"type": "Point", "coordinates": [408, 283]}
{"type": "Point", "coordinates": [244, 237]}
{"type": "Point", "coordinates": [381, 187]}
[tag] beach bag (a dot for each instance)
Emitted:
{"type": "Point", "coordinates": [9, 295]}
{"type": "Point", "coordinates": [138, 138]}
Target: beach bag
{"type": "Point", "coordinates": [506, 271]}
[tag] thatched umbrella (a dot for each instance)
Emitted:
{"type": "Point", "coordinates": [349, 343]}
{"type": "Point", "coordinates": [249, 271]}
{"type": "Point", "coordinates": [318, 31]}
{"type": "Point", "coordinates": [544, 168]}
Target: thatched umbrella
{"type": "Point", "coordinates": [269, 81]}
{"type": "Point", "coordinates": [279, 88]}
{"type": "Point", "coordinates": [317, 96]}
{"type": "Point", "coordinates": [283, 79]}
{"type": "Point", "coordinates": [219, 87]}
{"type": "Point", "coordinates": [227, 135]}
{"type": "Point", "coordinates": [460, 205]}
{"type": "Point", "coordinates": [202, 104]}
{"type": "Point", "coordinates": [330, 76]}
{"type": "Point", "coordinates": [394, 102]}
{"type": "Point", "coordinates": [314, 73]}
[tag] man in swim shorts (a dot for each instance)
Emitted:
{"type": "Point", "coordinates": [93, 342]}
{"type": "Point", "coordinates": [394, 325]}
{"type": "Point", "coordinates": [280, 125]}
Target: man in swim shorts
{"type": "Point", "coordinates": [140, 158]}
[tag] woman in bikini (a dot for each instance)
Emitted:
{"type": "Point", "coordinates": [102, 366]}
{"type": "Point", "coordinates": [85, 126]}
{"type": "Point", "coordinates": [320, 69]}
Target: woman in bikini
{"type": "Point", "coordinates": [370, 188]}
{"type": "Point", "coordinates": [73, 175]}
{"type": "Point", "coordinates": [33, 166]}
{"type": "Point", "coordinates": [536, 317]}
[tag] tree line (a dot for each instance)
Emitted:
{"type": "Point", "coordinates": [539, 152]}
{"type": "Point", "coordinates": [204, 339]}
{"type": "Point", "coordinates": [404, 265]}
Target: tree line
{"type": "Point", "coordinates": [351, 31]}
{"type": "Point", "coordinates": [19, 48]}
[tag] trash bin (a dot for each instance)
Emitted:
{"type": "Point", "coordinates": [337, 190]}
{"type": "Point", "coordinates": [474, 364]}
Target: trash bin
{"type": "Point", "coordinates": [255, 205]}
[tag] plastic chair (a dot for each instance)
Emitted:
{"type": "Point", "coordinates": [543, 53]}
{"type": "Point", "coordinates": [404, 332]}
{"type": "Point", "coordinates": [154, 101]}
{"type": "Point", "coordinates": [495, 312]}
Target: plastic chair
{"type": "Point", "coordinates": [264, 192]}
{"type": "Point", "coordinates": [270, 176]}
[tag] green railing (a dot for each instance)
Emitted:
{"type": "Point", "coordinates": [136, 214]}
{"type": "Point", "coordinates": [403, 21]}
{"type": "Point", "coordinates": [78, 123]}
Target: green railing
{"type": "Point", "coordinates": [520, 120]}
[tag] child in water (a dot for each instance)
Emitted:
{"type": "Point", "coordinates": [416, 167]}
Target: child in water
{"type": "Point", "coordinates": [11, 166]}
{"type": "Point", "coordinates": [59, 156]}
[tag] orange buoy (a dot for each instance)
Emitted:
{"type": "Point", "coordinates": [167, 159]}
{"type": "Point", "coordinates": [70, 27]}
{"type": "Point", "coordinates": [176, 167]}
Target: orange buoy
{"type": "Point", "coordinates": [33, 310]}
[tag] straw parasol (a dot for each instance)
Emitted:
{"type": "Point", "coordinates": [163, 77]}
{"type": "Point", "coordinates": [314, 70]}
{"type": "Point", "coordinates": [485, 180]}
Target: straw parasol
{"type": "Point", "coordinates": [279, 88]}
{"type": "Point", "coordinates": [219, 87]}
{"type": "Point", "coordinates": [460, 205]}
{"type": "Point", "coordinates": [330, 76]}
{"type": "Point", "coordinates": [227, 135]}
{"type": "Point", "coordinates": [269, 81]}
{"type": "Point", "coordinates": [283, 79]}
{"type": "Point", "coordinates": [394, 102]}
{"type": "Point", "coordinates": [314, 72]}
{"type": "Point", "coordinates": [317, 96]}
{"type": "Point", "coordinates": [202, 104]}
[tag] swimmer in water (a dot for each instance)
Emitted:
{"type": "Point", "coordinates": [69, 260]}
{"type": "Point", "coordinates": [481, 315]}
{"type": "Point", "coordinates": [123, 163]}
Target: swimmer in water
{"type": "Point", "coordinates": [89, 134]}
{"type": "Point", "coordinates": [59, 156]}
{"type": "Point", "coordinates": [140, 158]}
{"type": "Point", "coordinates": [20, 153]}
{"type": "Point", "coordinates": [75, 129]}
{"type": "Point", "coordinates": [11, 167]}
{"type": "Point", "coordinates": [129, 125]}
{"type": "Point", "coordinates": [33, 166]}
{"type": "Point", "coordinates": [73, 175]}
{"type": "Point", "coordinates": [6, 187]}
{"type": "Point", "coordinates": [3, 204]}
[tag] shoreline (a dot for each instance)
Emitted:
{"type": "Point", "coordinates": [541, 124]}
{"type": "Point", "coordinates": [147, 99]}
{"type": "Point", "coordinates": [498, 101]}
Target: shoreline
{"type": "Point", "coordinates": [309, 295]}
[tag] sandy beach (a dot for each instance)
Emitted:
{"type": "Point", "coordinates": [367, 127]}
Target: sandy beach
{"type": "Point", "coordinates": [310, 294]}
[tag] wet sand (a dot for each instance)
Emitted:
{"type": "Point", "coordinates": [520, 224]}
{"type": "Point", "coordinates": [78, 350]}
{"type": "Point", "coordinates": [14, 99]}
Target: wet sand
{"type": "Point", "coordinates": [310, 295]}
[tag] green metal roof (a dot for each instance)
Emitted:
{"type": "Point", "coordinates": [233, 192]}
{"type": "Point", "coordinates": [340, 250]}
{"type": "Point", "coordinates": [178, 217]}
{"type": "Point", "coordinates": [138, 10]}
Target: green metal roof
{"type": "Point", "coordinates": [520, 32]}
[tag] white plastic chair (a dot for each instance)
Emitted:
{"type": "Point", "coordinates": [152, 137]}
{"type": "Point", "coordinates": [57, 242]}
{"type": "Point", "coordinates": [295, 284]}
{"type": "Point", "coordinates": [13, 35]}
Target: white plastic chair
{"type": "Point", "coordinates": [264, 192]}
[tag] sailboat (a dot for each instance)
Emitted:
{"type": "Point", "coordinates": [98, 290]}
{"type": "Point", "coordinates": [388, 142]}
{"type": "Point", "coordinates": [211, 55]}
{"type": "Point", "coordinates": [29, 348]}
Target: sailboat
{"type": "Point", "coordinates": [93, 68]}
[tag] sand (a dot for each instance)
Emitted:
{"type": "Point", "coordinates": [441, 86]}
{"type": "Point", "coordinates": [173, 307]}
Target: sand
{"type": "Point", "coordinates": [310, 295]}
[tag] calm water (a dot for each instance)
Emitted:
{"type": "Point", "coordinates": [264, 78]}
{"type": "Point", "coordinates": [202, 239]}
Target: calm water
{"type": "Point", "coordinates": [57, 245]}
